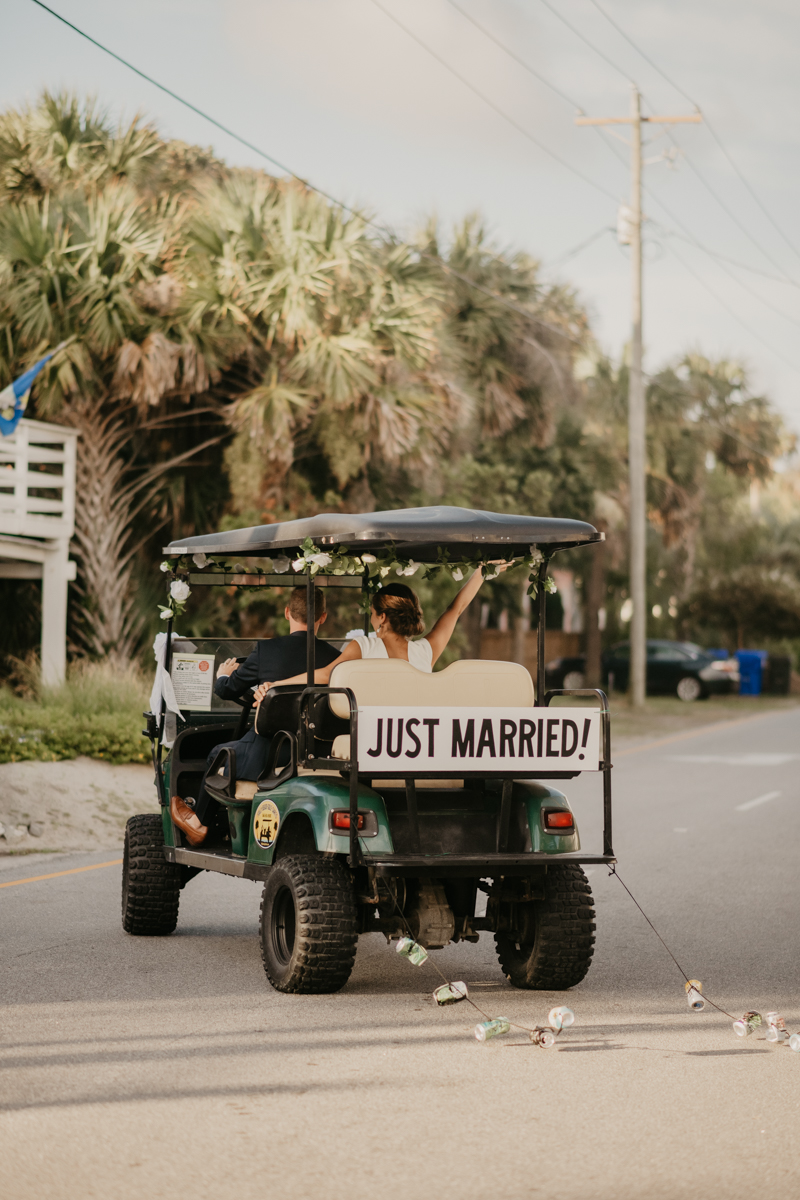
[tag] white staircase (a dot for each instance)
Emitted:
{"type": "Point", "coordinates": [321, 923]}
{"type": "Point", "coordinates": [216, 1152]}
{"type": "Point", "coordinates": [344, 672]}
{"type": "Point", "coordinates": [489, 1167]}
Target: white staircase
{"type": "Point", "coordinates": [37, 520]}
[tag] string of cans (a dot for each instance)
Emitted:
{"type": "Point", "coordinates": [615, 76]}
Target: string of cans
{"type": "Point", "coordinates": [451, 992]}
{"type": "Point", "coordinates": [749, 1022]}
{"type": "Point", "coordinates": [561, 1017]}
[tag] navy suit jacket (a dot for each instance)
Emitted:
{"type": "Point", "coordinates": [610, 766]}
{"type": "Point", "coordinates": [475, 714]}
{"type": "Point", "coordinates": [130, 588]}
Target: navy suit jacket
{"type": "Point", "coordinates": [272, 660]}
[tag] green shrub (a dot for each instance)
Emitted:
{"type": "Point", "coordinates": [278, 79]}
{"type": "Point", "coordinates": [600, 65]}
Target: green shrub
{"type": "Point", "coordinates": [97, 713]}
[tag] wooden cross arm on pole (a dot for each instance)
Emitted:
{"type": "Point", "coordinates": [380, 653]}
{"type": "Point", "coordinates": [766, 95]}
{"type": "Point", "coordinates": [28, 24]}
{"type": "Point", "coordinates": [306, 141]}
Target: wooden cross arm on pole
{"type": "Point", "coordinates": [693, 119]}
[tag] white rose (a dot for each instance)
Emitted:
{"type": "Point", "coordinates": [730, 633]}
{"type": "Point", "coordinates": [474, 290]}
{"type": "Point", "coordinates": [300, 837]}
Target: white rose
{"type": "Point", "coordinates": [179, 591]}
{"type": "Point", "coordinates": [165, 566]}
{"type": "Point", "coordinates": [458, 574]}
{"type": "Point", "coordinates": [321, 560]}
{"type": "Point", "coordinates": [281, 565]}
{"type": "Point", "coordinates": [200, 560]}
{"type": "Point", "coordinates": [166, 613]}
{"type": "Point", "coordinates": [368, 558]}
{"type": "Point", "coordinates": [299, 564]}
{"type": "Point", "coordinates": [412, 568]}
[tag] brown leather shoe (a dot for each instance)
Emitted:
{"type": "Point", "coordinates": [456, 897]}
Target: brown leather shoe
{"type": "Point", "coordinates": [187, 821]}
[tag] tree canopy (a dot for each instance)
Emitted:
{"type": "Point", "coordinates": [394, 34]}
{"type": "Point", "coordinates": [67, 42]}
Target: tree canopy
{"type": "Point", "coordinates": [239, 350]}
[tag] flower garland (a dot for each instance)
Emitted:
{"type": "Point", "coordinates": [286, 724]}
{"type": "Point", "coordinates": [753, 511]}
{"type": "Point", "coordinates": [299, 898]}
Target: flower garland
{"type": "Point", "coordinates": [375, 568]}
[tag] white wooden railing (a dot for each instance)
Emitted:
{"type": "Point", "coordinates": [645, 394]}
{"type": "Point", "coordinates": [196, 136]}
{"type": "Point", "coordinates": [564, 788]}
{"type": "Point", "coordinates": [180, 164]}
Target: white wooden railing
{"type": "Point", "coordinates": [37, 481]}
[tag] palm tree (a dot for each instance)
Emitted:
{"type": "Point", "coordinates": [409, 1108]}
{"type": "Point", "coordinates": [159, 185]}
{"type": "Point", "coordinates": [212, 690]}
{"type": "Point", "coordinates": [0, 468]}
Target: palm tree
{"type": "Point", "coordinates": [84, 258]}
{"type": "Point", "coordinates": [338, 359]}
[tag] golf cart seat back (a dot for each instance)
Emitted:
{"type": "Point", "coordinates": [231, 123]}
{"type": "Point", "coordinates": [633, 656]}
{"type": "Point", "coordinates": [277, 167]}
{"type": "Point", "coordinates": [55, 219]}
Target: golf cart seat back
{"type": "Point", "coordinates": [469, 683]}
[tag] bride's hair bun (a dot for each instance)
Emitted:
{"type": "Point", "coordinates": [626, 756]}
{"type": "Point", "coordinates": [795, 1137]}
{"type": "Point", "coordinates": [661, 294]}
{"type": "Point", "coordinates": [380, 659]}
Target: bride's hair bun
{"type": "Point", "coordinates": [402, 609]}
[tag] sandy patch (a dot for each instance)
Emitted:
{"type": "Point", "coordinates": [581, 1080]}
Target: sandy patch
{"type": "Point", "coordinates": [81, 804]}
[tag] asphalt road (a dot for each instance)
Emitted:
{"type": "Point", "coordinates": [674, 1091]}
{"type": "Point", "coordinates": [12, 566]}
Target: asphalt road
{"type": "Point", "coordinates": [161, 1067]}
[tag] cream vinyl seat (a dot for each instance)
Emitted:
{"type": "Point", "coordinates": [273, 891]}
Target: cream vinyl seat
{"type": "Point", "coordinates": [469, 683]}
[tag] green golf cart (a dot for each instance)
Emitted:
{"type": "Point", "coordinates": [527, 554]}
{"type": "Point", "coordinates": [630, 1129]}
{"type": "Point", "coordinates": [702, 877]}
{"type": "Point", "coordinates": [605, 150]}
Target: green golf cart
{"type": "Point", "coordinates": [391, 797]}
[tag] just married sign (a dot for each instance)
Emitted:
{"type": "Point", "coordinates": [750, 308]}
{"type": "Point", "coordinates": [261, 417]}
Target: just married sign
{"type": "Point", "coordinates": [394, 738]}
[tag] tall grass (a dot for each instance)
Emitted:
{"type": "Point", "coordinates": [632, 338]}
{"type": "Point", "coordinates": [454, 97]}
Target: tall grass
{"type": "Point", "coordinates": [97, 713]}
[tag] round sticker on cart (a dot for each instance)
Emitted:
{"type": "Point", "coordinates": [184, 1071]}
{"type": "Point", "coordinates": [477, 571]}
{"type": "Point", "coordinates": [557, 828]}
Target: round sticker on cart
{"type": "Point", "coordinates": [265, 824]}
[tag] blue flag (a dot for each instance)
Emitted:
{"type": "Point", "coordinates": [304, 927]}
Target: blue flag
{"type": "Point", "coordinates": [14, 398]}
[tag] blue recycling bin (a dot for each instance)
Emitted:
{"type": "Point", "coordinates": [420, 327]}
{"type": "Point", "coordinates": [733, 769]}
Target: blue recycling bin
{"type": "Point", "coordinates": [751, 671]}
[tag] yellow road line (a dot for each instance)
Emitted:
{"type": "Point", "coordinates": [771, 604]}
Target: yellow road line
{"type": "Point", "coordinates": [692, 733]}
{"type": "Point", "coordinates": [55, 874]}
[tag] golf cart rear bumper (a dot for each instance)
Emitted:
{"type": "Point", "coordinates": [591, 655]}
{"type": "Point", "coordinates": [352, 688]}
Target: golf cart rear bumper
{"type": "Point", "coordinates": [472, 865]}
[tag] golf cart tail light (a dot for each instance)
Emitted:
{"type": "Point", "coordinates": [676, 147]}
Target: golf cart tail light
{"type": "Point", "coordinates": [341, 819]}
{"type": "Point", "coordinates": [558, 820]}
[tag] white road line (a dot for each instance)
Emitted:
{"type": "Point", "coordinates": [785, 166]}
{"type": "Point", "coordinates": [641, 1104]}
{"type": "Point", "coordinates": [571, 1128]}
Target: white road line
{"type": "Point", "coordinates": [755, 803]}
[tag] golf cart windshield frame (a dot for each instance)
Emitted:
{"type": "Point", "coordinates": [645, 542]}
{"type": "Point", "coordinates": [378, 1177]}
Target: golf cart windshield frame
{"type": "Point", "coordinates": [494, 535]}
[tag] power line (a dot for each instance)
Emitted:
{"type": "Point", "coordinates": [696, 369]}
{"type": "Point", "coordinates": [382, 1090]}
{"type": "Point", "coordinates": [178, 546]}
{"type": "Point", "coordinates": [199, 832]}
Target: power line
{"type": "Point", "coordinates": [584, 244]}
{"type": "Point", "coordinates": [526, 66]}
{"type": "Point", "coordinates": [532, 71]}
{"type": "Point", "coordinates": [206, 116]}
{"type": "Point", "coordinates": [779, 311]}
{"type": "Point", "coordinates": [585, 40]}
{"type": "Point", "coordinates": [694, 104]}
{"type": "Point", "coordinates": [726, 258]}
{"type": "Point", "coordinates": [573, 103]}
{"type": "Point", "coordinates": [731, 312]}
{"type": "Point", "coordinates": [520, 128]}
{"type": "Point", "coordinates": [562, 258]}
{"type": "Point", "coordinates": [787, 278]}
{"type": "Point", "coordinates": [382, 229]}
{"type": "Point", "coordinates": [710, 127]}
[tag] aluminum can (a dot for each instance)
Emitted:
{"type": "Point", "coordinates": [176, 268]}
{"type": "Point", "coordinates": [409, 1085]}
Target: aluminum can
{"type": "Point", "coordinates": [694, 995]}
{"type": "Point", "coordinates": [748, 1024]}
{"type": "Point", "coordinates": [794, 1042]}
{"type": "Point", "coordinates": [560, 1018]}
{"type": "Point", "coordinates": [490, 1029]}
{"type": "Point", "coordinates": [451, 993]}
{"type": "Point", "coordinates": [776, 1028]}
{"type": "Point", "coordinates": [411, 950]}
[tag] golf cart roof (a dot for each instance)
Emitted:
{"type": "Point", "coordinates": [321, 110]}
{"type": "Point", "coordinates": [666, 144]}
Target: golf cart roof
{"type": "Point", "coordinates": [413, 532]}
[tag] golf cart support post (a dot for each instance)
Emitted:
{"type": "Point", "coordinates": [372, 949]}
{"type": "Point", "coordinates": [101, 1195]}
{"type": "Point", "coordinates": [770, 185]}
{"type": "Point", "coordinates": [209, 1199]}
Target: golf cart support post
{"type": "Point", "coordinates": [427, 533]}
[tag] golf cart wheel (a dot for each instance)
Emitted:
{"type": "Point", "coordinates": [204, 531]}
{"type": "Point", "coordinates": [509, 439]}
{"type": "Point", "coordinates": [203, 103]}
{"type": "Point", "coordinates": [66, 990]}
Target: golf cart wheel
{"type": "Point", "coordinates": [689, 688]}
{"type": "Point", "coordinates": [151, 886]}
{"type": "Point", "coordinates": [563, 935]}
{"type": "Point", "coordinates": [308, 925]}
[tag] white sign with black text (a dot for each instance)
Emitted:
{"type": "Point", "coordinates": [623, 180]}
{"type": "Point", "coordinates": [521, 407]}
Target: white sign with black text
{"type": "Point", "coordinates": [193, 680]}
{"type": "Point", "coordinates": [395, 738]}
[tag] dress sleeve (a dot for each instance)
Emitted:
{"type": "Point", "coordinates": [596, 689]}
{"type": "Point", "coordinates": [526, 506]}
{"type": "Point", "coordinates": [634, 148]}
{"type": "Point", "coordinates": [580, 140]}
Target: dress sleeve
{"type": "Point", "coordinates": [423, 653]}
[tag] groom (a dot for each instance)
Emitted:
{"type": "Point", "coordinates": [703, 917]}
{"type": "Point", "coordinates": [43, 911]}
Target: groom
{"type": "Point", "coordinates": [273, 658]}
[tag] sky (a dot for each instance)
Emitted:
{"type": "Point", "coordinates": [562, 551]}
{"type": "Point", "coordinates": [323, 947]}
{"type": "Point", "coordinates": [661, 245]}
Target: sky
{"type": "Point", "coordinates": [341, 95]}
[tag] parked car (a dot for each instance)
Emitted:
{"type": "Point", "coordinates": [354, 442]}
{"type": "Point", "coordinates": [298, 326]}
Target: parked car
{"type": "Point", "coordinates": [682, 668]}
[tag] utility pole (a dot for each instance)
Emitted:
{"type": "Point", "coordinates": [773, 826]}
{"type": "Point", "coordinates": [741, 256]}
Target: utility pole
{"type": "Point", "coordinates": [637, 450]}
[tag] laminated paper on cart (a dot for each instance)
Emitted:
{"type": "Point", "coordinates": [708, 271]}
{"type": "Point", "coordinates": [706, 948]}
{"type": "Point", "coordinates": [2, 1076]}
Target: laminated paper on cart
{"type": "Point", "coordinates": [394, 739]}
